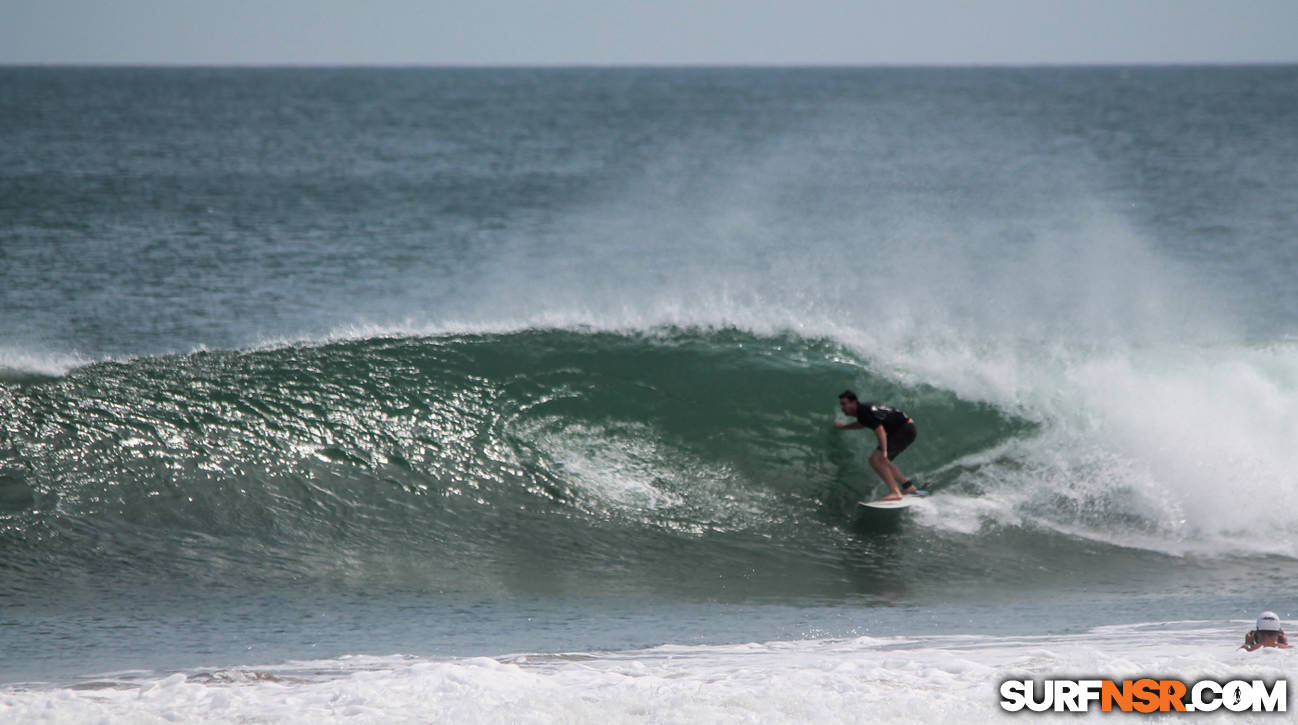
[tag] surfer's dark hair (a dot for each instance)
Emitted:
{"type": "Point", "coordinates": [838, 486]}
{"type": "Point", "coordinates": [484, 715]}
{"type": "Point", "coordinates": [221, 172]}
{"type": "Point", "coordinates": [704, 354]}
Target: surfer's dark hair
{"type": "Point", "coordinates": [849, 395]}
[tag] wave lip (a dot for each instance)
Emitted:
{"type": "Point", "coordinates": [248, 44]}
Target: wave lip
{"type": "Point", "coordinates": [28, 366]}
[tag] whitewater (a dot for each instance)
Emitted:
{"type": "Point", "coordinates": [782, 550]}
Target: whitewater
{"type": "Point", "coordinates": [863, 679]}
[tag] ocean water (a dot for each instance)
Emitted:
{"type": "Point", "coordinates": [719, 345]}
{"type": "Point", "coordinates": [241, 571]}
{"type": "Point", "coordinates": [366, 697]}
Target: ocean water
{"type": "Point", "coordinates": [431, 395]}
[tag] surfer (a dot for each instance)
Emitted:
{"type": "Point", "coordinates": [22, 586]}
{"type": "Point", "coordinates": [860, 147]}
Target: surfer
{"type": "Point", "coordinates": [1267, 634]}
{"type": "Point", "coordinates": [895, 431]}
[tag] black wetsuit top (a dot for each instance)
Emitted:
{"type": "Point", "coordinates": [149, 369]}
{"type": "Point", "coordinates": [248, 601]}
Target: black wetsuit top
{"type": "Point", "coordinates": [873, 415]}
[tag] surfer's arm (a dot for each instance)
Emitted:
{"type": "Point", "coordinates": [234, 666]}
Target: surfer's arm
{"type": "Point", "coordinates": [853, 425]}
{"type": "Point", "coordinates": [882, 435]}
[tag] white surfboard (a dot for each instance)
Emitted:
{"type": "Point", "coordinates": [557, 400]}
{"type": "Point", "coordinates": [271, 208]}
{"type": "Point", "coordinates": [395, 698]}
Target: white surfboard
{"type": "Point", "coordinates": [904, 503]}
{"type": "Point", "coordinates": [894, 505]}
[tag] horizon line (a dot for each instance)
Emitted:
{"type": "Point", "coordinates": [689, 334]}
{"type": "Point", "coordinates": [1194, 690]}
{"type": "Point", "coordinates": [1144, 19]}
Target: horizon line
{"type": "Point", "coordinates": [289, 65]}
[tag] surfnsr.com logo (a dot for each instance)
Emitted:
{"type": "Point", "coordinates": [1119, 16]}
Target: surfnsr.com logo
{"type": "Point", "coordinates": [1144, 695]}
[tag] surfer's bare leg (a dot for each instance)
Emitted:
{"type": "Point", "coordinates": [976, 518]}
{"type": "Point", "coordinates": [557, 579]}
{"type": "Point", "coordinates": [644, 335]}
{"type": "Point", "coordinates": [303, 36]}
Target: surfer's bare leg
{"type": "Point", "coordinates": [884, 468]}
{"type": "Point", "coordinates": [902, 481]}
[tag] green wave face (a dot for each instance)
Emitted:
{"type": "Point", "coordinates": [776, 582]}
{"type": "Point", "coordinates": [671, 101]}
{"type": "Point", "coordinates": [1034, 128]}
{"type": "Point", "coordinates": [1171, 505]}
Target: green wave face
{"type": "Point", "coordinates": [679, 462]}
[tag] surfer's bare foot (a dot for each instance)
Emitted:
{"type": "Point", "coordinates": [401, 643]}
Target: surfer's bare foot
{"type": "Point", "coordinates": [891, 497]}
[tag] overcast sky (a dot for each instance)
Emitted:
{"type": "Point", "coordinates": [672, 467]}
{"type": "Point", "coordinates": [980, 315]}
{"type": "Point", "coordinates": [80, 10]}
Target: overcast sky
{"type": "Point", "coordinates": [649, 32]}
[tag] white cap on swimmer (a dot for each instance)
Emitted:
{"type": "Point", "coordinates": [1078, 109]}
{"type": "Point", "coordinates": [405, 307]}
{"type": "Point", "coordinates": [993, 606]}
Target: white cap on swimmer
{"type": "Point", "coordinates": [1268, 622]}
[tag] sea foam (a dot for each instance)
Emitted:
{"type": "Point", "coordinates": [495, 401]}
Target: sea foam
{"type": "Point", "coordinates": [860, 680]}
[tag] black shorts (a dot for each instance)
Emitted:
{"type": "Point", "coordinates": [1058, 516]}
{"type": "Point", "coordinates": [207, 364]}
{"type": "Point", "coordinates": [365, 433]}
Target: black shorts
{"type": "Point", "coordinates": [900, 439]}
